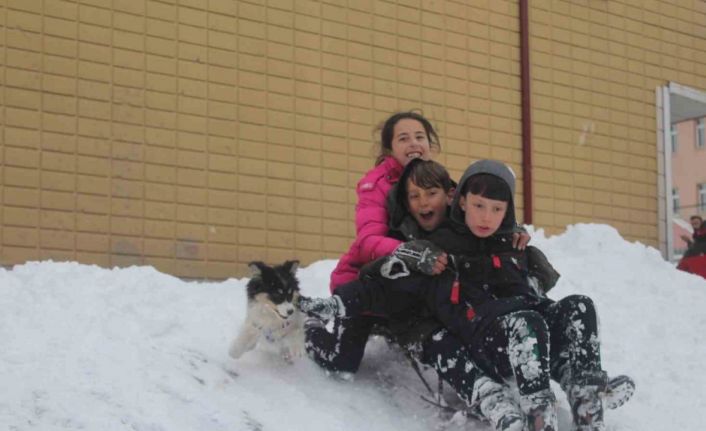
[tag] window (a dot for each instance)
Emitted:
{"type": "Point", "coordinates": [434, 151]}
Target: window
{"type": "Point", "coordinates": [700, 138]}
{"type": "Point", "coordinates": [675, 138]}
{"type": "Point", "coordinates": [675, 200]}
{"type": "Point", "coordinates": [702, 197]}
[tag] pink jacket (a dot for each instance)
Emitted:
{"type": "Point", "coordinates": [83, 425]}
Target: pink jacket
{"type": "Point", "coordinates": [371, 220]}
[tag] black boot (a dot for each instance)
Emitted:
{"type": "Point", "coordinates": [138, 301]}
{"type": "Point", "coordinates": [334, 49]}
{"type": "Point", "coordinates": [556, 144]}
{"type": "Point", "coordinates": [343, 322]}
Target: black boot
{"type": "Point", "coordinates": [540, 408]}
{"type": "Point", "coordinates": [585, 394]}
{"type": "Point", "coordinates": [497, 405]}
{"type": "Point", "coordinates": [618, 392]}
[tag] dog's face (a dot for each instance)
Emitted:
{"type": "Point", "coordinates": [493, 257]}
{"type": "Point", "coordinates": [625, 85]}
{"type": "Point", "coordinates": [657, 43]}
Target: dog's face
{"type": "Point", "coordinates": [275, 287]}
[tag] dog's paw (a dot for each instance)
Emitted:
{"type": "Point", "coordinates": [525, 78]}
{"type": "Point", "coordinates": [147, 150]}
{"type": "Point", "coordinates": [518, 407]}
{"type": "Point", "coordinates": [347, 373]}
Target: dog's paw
{"type": "Point", "coordinates": [292, 351]}
{"type": "Point", "coordinates": [237, 350]}
{"type": "Point", "coordinates": [235, 353]}
{"type": "Point", "coordinates": [297, 351]}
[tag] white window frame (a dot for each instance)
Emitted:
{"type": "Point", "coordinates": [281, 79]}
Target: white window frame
{"type": "Point", "coordinates": [675, 200]}
{"type": "Point", "coordinates": [701, 198]}
{"type": "Point", "coordinates": [674, 135]}
{"type": "Point", "coordinates": [700, 134]}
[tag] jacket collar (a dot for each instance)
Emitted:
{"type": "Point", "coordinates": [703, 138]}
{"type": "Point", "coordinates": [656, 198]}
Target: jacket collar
{"type": "Point", "coordinates": [393, 169]}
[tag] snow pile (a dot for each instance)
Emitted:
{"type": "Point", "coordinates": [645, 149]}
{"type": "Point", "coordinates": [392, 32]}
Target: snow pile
{"type": "Point", "coordinates": [135, 349]}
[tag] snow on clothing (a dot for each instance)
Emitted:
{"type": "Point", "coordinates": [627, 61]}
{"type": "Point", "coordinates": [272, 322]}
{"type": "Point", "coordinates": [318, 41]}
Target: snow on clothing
{"type": "Point", "coordinates": [342, 349]}
{"type": "Point", "coordinates": [487, 302]}
{"type": "Point", "coordinates": [371, 219]}
{"type": "Point", "coordinates": [493, 282]}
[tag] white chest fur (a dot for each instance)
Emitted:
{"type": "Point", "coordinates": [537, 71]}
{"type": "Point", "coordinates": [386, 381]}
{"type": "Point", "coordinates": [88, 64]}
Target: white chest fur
{"type": "Point", "coordinates": [264, 323]}
{"type": "Point", "coordinates": [272, 326]}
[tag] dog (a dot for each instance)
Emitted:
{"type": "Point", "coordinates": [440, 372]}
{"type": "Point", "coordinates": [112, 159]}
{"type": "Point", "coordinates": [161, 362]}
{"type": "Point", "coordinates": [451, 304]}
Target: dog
{"type": "Point", "coordinates": [272, 315]}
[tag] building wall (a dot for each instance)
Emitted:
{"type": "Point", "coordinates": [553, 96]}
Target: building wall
{"type": "Point", "coordinates": [198, 136]}
{"type": "Point", "coordinates": [595, 69]}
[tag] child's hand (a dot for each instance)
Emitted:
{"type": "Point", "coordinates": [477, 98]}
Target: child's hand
{"type": "Point", "coordinates": [440, 264]}
{"type": "Point", "coordinates": [520, 240]}
{"type": "Point", "coordinates": [419, 255]}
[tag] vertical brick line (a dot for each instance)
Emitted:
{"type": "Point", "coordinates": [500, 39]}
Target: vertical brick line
{"type": "Point", "coordinates": [444, 59]}
{"type": "Point", "coordinates": [236, 124]}
{"type": "Point", "coordinates": [267, 86]}
{"type": "Point", "coordinates": [348, 123]}
{"type": "Point", "coordinates": [322, 232]}
{"type": "Point", "coordinates": [110, 138]}
{"type": "Point", "coordinates": [42, 55]}
{"type": "Point", "coordinates": [143, 182]}
{"type": "Point", "coordinates": [209, 229]}
{"type": "Point", "coordinates": [177, 27]}
{"type": "Point", "coordinates": [3, 136]}
{"type": "Point", "coordinates": [175, 143]}
{"type": "Point", "coordinates": [574, 211]}
{"type": "Point", "coordinates": [75, 139]}
{"type": "Point", "coordinates": [236, 147]}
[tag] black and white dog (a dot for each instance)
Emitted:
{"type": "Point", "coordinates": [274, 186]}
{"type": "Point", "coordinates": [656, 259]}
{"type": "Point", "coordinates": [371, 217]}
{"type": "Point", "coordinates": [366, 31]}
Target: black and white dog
{"type": "Point", "coordinates": [272, 315]}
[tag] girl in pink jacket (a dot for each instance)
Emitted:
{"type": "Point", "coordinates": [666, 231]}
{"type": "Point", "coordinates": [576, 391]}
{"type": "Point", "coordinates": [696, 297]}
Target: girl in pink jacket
{"type": "Point", "coordinates": [403, 137]}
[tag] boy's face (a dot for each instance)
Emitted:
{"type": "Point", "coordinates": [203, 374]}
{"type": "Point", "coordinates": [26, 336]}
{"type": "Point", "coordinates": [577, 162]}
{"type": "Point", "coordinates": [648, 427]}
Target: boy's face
{"type": "Point", "coordinates": [483, 216]}
{"type": "Point", "coordinates": [428, 206]}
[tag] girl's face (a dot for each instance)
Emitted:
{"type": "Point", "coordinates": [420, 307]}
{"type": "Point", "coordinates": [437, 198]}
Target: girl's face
{"type": "Point", "coordinates": [409, 141]}
{"type": "Point", "coordinates": [483, 216]}
{"type": "Point", "coordinates": [428, 206]}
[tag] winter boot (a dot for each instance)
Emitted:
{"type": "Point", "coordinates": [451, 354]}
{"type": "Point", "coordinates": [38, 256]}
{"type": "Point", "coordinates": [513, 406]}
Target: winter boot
{"type": "Point", "coordinates": [585, 395]}
{"type": "Point", "coordinates": [540, 408]}
{"type": "Point", "coordinates": [618, 392]}
{"type": "Point", "coordinates": [322, 308]}
{"type": "Point", "coordinates": [497, 405]}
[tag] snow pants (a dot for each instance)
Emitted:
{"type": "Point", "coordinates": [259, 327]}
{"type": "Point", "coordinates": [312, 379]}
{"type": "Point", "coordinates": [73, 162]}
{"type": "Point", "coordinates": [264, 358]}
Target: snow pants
{"type": "Point", "coordinates": [559, 341]}
{"type": "Point", "coordinates": [342, 351]}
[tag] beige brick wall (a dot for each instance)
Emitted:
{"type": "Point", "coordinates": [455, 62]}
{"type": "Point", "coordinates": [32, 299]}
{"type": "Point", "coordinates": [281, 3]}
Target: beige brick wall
{"type": "Point", "coordinates": [595, 68]}
{"type": "Point", "coordinates": [198, 136]}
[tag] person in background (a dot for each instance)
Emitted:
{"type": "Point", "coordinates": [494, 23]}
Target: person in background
{"type": "Point", "coordinates": [699, 234]}
{"type": "Point", "coordinates": [694, 259]}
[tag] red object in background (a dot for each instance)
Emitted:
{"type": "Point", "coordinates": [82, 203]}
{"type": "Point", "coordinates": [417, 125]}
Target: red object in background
{"type": "Point", "coordinates": [694, 264]}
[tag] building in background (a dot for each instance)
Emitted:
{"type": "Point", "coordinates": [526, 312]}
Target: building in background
{"type": "Point", "coordinates": [688, 152]}
{"type": "Point", "coordinates": [196, 136]}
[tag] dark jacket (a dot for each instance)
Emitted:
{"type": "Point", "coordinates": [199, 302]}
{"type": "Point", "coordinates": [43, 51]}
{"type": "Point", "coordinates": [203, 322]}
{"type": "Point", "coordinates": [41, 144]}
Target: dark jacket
{"type": "Point", "coordinates": [478, 264]}
{"type": "Point", "coordinates": [698, 245]}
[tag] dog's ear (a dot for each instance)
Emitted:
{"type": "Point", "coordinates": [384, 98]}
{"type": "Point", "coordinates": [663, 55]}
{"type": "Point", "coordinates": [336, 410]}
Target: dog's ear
{"type": "Point", "coordinates": [256, 268]}
{"type": "Point", "coordinates": [291, 266]}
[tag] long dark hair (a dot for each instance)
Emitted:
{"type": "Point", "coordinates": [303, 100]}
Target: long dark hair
{"type": "Point", "coordinates": [387, 132]}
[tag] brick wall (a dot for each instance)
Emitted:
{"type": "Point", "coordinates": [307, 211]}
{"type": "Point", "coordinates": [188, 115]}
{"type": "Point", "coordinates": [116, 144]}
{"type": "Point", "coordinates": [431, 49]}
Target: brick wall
{"type": "Point", "coordinates": [198, 135]}
{"type": "Point", "coordinates": [595, 69]}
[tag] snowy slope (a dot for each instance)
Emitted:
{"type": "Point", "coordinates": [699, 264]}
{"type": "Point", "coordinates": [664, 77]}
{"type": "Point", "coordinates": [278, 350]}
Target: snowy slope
{"type": "Point", "coordinates": [85, 348]}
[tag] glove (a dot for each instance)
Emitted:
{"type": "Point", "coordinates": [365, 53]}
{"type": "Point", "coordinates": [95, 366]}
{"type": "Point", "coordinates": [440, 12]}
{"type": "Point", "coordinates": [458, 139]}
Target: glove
{"type": "Point", "coordinates": [418, 255]}
{"type": "Point", "coordinates": [541, 269]}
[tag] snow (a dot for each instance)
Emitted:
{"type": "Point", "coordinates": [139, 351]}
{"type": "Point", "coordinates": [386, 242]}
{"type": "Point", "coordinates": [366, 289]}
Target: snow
{"type": "Point", "coordinates": [86, 348]}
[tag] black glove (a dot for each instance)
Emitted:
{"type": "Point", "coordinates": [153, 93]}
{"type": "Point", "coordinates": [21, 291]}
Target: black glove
{"type": "Point", "coordinates": [418, 255]}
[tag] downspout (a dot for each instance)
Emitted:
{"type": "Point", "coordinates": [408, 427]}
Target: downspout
{"type": "Point", "coordinates": [526, 113]}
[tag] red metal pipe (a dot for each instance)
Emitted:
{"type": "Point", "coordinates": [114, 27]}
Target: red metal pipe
{"type": "Point", "coordinates": [526, 113]}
